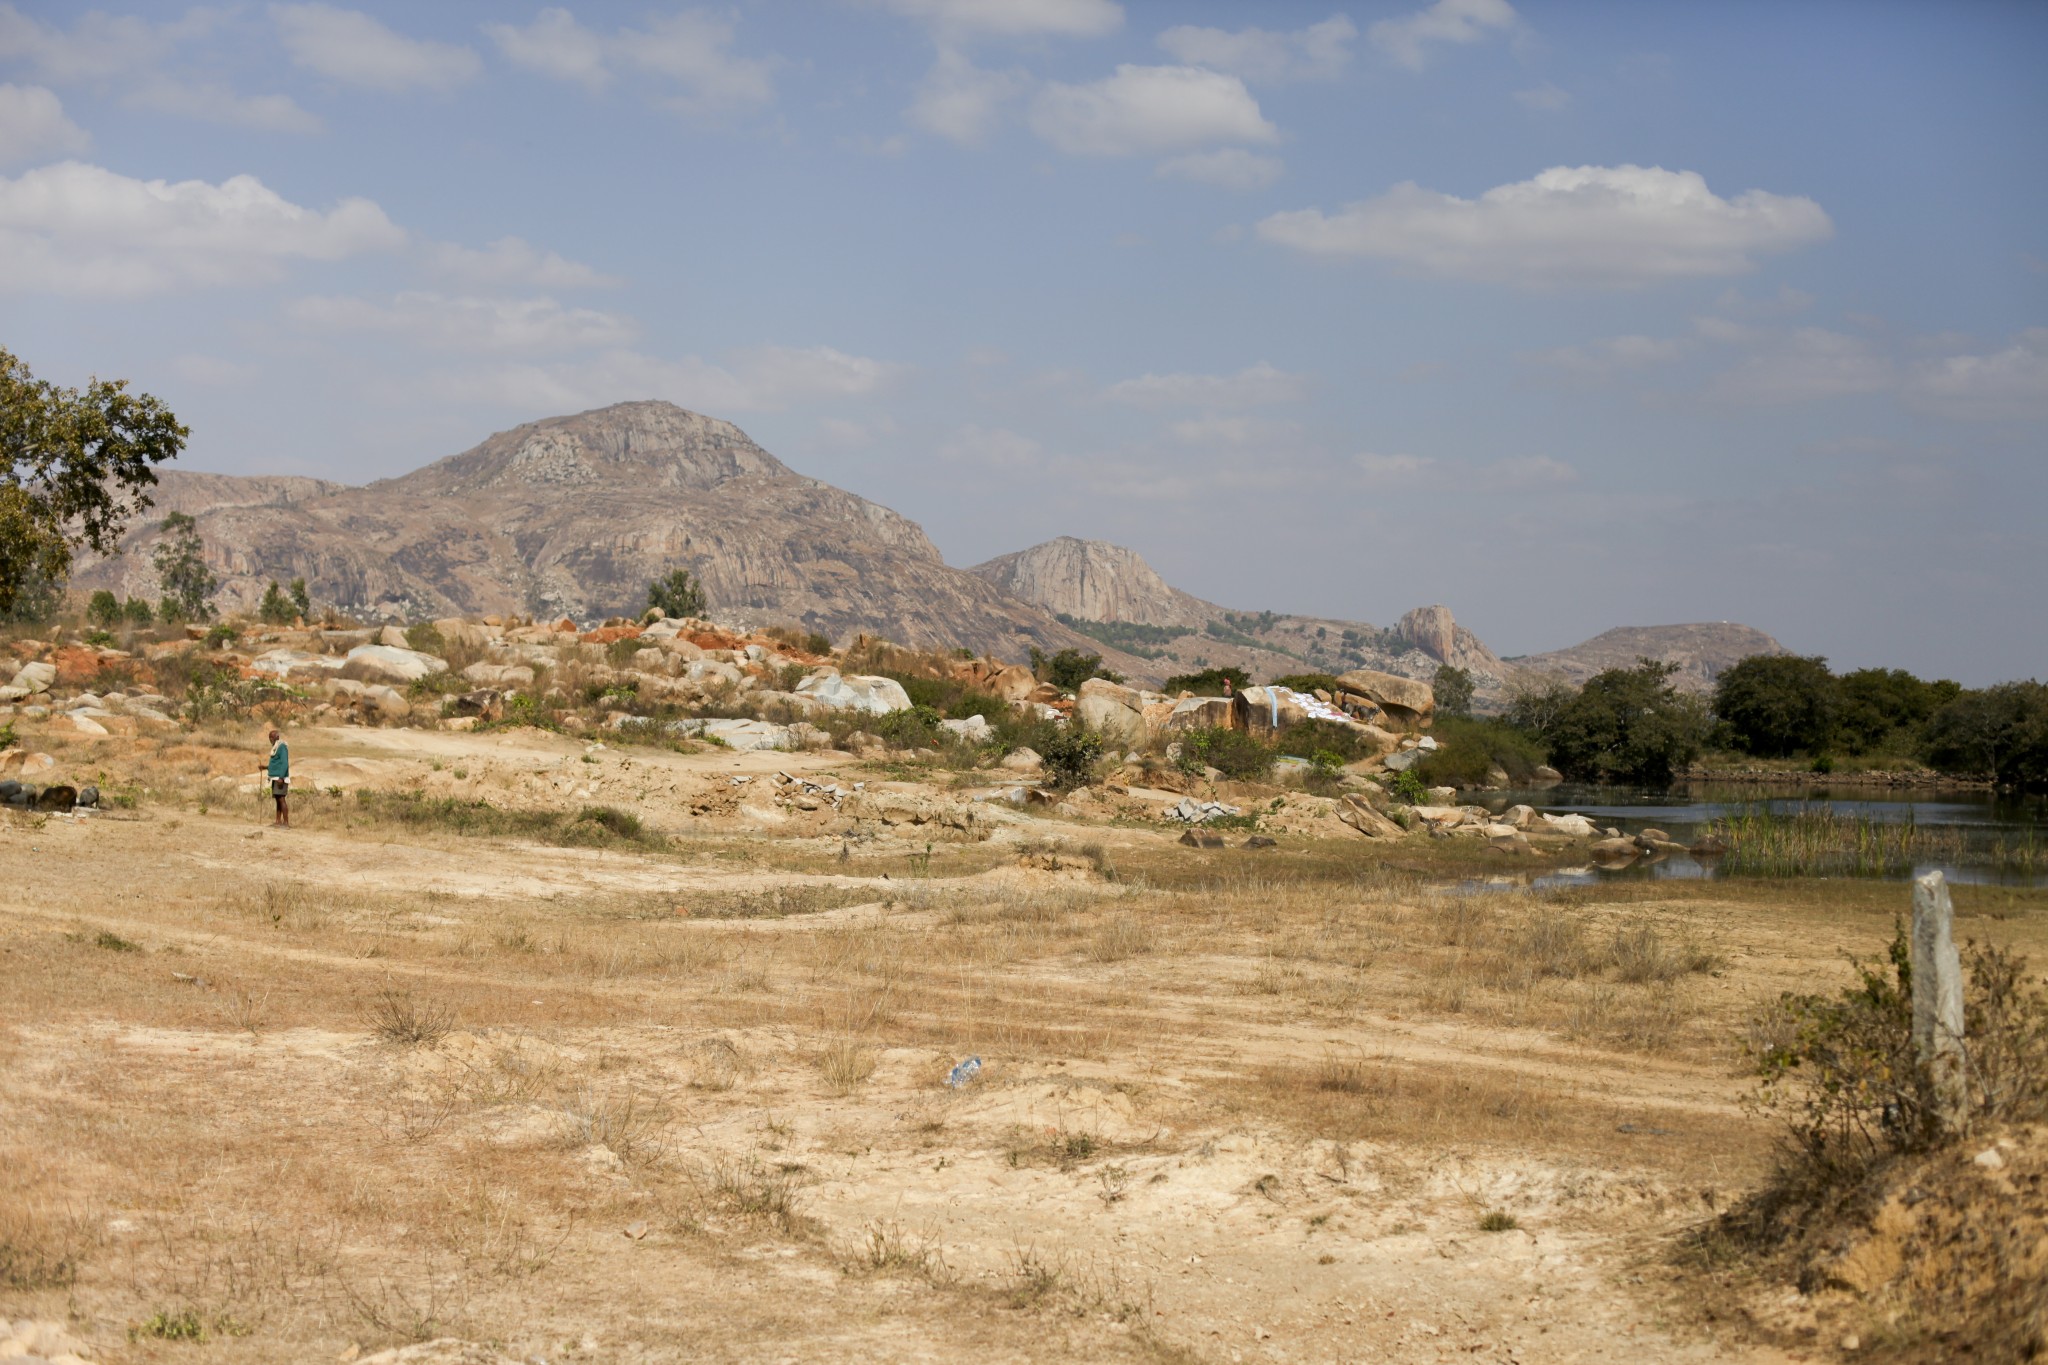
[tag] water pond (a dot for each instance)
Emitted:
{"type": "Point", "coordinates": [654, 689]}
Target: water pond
{"type": "Point", "coordinates": [1819, 830]}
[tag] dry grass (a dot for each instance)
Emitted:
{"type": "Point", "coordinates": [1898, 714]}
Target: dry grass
{"type": "Point", "coordinates": [344, 1103]}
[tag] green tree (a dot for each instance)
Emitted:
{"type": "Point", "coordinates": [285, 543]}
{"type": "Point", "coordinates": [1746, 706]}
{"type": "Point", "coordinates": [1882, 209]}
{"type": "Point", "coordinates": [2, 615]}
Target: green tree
{"type": "Point", "coordinates": [180, 559]}
{"type": "Point", "coordinates": [302, 601]}
{"type": "Point", "coordinates": [2000, 732]}
{"type": "Point", "coordinates": [1882, 707]}
{"type": "Point", "coordinates": [1453, 690]}
{"type": "Point", "coordinates": [276, 609]}
{"type": "Point", "coordinates": [677, 594]}
{"type": "Point", "coordinates": [1778, 704]}
{"type": "Point", "coordinates": [1627, 725]}
{"type": "Point", "coordinates": [104, 610]}
{"type": "Point", "coordinates": [1207, 683]}
{"type": "Point", "coordinates": [77, 464]}
{"type": "Point", "coordinates": [1069, 668]}
{"type": "Point", "coordinates": [137, 612]}
{"type": "Point", "coordinates": [1534, 704]}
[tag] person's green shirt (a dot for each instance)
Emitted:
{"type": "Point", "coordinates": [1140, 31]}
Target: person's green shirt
{"type": "Point", "coordinates": [280, 760]}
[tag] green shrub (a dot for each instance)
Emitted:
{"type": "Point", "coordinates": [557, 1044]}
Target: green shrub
{"type": "Point", "coordinates": [1306, 682]}
{"type": "Point", "coordinates": [104, 610]}
{"type": "Point", "coordinates": [221, 635]}
{"type": "Point", "coordinates": [138, 612]}
{"type": "Point", "coordinates": [1452, 688]}
{"type": "Point", "coordinates": [1070, 755]}
{"type": "Point", "coordinates": [1311, 737]}
{"type": "Point", "coordinates": [1472, 747]}
{"type": "Point", "coordinates": [1207, 683]}
{"type": "Point", "coordinates": [676, 594]}
{"type": "Point", "coordinates": [1147, 642]}
{"type": "Point", "coordinates": [276, 608]}
{"type": "Point", "coordinates": [1408, 788]}
{"type": "Point", "coordinates": [1069, 668]}
{"type": "Point", "coordinates": [1626, 725]}
{"type": "Point", "coordinates": [917, 728]}
{"type": "Point", "coordinates": [1237, 754]}
{"type": "Point", "coordinates": [2000, 732]}
{"type": "Point", "coordinates": [426, 638]}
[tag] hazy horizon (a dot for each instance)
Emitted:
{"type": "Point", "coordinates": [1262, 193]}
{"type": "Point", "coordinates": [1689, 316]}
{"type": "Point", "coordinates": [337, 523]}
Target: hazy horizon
{"type": "Point", "coordinates": [1568, 317]}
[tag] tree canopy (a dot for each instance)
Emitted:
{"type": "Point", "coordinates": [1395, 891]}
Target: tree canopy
{"type": "Point", "coordinates": [1452, 688]}
{"type": "Point", "coordinates": [676, 594]}
{"type": "Point", "coordinates": [1778, 704]}
{"type": "Point", "coordinates": [1627, 725]}
{"type": "Point", "coordinates": [78, 466]}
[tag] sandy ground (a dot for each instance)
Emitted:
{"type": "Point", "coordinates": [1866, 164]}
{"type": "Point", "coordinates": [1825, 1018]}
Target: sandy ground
{"type": "Point", "coordinates": [339, 1088]}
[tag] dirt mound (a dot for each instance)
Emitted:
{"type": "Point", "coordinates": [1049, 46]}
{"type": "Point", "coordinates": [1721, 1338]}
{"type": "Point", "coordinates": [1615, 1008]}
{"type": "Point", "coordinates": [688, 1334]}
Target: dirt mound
{"type": "Point", "coordinates": [1943, 1257]}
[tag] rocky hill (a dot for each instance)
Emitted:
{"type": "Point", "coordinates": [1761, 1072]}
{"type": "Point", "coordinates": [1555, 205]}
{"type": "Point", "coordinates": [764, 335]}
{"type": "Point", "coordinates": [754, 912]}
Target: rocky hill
{"type": "Point", "coordinates": [1701, 651]}
{"type": "Point", "coordinates": [574, 516]}
{"type": "Point", "coordinates": [1111, 594]}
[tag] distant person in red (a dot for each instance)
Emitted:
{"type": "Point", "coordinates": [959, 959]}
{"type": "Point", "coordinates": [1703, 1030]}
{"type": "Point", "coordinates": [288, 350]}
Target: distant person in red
{"type": "Point", "coordinates": [280, 772]}
{"type": "Point", "coordinates": [1226, 686]}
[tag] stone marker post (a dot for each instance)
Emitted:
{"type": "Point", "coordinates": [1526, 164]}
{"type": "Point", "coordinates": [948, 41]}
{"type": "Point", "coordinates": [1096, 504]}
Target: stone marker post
{"type": "Point", "coordinates": [1938, 996]}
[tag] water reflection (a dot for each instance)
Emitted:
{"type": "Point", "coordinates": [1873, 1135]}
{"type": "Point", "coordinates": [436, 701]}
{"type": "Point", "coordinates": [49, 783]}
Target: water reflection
{"type": "Point", "coordinates": [1988, 823]}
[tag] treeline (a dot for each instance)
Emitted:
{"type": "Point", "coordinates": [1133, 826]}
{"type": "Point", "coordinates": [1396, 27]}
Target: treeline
{"type": "Point", "coordinates": [1632, 725]}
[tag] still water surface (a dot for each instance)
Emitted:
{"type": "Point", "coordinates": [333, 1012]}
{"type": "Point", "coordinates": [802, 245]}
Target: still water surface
{"type": "Point", "coordinates": [1985, 819]}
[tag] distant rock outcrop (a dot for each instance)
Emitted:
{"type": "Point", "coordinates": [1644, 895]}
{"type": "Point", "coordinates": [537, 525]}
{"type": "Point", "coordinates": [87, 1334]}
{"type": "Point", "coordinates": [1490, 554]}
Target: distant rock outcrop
{"type": "Point", "coordinates": [1435, 633]}
{"type": "Point", "coordinates": [574, 516]}
{"type": "Point", "coordinates": [1702, 651]}
{"type": "Point", "coordinates": [1096, 581]}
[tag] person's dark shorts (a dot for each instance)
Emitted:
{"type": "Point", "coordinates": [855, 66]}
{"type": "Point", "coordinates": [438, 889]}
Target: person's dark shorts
{"type": "Point", "coordinates": [280, 787]}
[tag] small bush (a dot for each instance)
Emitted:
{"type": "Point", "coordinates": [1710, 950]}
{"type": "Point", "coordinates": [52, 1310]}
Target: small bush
{"type": "Point", "coordinates": [397, 1017]}
{"type": "Point", "coordinates": [276, 609]}
{"type": "Point", "coordinates": [104, 610]}
{"type": "Point", "coordinates": [1207, 683]}
{"type": "Point", "coordinates": [1498, 1220]}
{"type": "Point", "coordinates": [1472, 747]}
{"type": "Point", "coordinates": [114, 943]}
{"type": "Point", "coordinates": [1070, 755]}
{"type": "Point", "coordinates": [1237, 754]}
{"type": "Point", "coordinates": [424, 637]}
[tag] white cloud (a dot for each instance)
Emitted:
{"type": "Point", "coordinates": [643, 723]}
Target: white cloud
{"type": "Point", "coordinates": [1149, 109]}
{"type": "Point", "coordinates": [968, 19]}
{"type": "Point", "coordinates": [356, 49]}
{"type": "Point", "coordinates": [959, 101]}
{"type": "Point", "coordinates": [1546, 98]}
{"type": "Point", "coordinates": [99, 47]}
{"type": "Point", "coordinates": [762, 379]}
{"type": "Point", "coordinates": [555, 45]}
{"type": "Point", "coordinates": [1256, 386]}
{"type": "Point", "coordinates": [691, 48]}
{"type": "Point", "coordinates": [1804, 365]}
{"type": "Point", "coordinates": [33, 124]}
{"type": "Point", "coordinates": [1230, 168]}
{"type": "Point", "coordinates": [1232, 432]}
{"type": "Point", "coordinates": [2006, 385]}
{"type": "Point", "coordinates": [847, 432]}
{"type": "Point", "coordinates": [1393, 471]}
{"type": "Point", "coordinates": [1609, 356]}
{"type": "Point", "coordinates": [990, 448]}
{"type": "Point", "coordinates": [1447, 21]}
{"type": "Point", "coordinates": [440, 322]}
{"type": "Point", "coordinates": [218, 104]}
{"type": "Point", "coordinates": [72, 228]}
{"type": "Point", "coordinates": [1318, 52]}
{"type": "Point", "coordinates": [1585, 225]}
{"type": "Point", "coordinates": [514, 260]}
{"type": "Point", "coordinates": [1528, 471]}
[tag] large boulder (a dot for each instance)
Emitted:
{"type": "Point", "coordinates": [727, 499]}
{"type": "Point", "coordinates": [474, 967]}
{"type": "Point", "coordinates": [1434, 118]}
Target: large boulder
{"type": "Point", "coordinates": [296, 665]}
{"type": "Point", "coordinates": [873, 696]}
{"type": "Point", "coordinates": [1113, 709]}
{"type": "Point", "coordinates": [1357, 811]}
{"type": "Point", "coordinates": [741, 734]}
{"type": "Point", "coordinates": [1404, 700]}
{"type": "Point", "coordinates": [390, 664]}
{"type": "Point", "coordinates": [499, 675]}
{"type": "Point", "coordinates": [33, 678]}
{"type": "Point", "coordinates": [1199, 713]}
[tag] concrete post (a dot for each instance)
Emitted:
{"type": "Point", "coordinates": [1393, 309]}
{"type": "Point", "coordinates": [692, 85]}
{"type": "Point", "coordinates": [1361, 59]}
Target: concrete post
{"type": "Point", "coordinates": [1938, 996]}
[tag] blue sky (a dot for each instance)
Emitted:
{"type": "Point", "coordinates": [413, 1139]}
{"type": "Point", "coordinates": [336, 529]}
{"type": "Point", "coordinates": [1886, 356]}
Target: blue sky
{"type": "Point", "coordinates": [1567, 316]}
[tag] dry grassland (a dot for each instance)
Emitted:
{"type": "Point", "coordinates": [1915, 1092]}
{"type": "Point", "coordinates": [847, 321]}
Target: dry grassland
{"type": "Point", "coordinates": [284, 1096]}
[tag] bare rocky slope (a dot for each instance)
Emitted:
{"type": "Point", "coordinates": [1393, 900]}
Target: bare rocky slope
{"type": "Point", "coordinates": [1111, 593]}
{"type": "Point", "coordinates": [1701, 650]}
{"type": "Point", "coordinates": [574, 516]}
{"type": "Point", "coordinates": [1103, 589]}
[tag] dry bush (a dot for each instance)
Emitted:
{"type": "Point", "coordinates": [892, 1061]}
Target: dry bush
{"type": "Point", "coordinates": [1122, 936]}
{"type": "Point", "coordinates": [751, 1189]}
{"type": "Point", "coordinates": [397, 1016]}
{"type": "Point", "coordinates": [621, 1124]}
{"type": "Point", "coordinates": [884, 1248]}
{"type": "Point", "coordinates": [846, 1064]}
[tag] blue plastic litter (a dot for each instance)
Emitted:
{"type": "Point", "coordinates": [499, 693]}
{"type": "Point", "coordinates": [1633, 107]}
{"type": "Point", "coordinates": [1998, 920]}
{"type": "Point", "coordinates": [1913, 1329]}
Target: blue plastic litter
{"type": "Point", "coordinates": [963, 1073]}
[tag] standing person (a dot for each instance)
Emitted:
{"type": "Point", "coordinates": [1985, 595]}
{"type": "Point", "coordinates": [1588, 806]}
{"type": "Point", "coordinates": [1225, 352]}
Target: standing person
{"type": "Point", "coordinates": [281, 779]}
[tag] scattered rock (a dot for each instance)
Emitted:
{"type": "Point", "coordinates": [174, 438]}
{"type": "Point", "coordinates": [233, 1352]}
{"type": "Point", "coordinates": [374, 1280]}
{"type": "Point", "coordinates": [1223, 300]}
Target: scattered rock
{"type": "Point", "coordinates": [1194, 840]}
{"type": "Point", "coordinates": [390, 664]}
{"type": "Point", "coordinates": [1545, 777]}
{"type": "Point", "coordinates": [857, 692]}
{"type": "Point", "coordinates": [1022, 760]}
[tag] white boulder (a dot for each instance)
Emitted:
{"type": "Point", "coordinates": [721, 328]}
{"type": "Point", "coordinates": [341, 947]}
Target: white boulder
{"type": "Point", "coordinates": [855, 692]}
{"type": "Point", "coordinates": [390, 664]}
